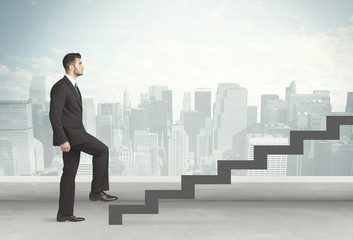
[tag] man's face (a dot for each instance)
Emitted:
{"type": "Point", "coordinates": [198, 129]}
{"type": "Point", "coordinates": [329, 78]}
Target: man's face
{"type": "Point", "coordinates": [78, 67]}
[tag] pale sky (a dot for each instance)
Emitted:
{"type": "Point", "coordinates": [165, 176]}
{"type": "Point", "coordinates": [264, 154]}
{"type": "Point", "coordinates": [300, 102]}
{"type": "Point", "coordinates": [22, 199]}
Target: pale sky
{"type": "Point", "coordinates": [185, 44]}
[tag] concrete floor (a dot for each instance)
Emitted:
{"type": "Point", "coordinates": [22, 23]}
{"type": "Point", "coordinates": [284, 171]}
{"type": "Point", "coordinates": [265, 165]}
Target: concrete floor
{"type": "Point", "coordinates": [242, 210]}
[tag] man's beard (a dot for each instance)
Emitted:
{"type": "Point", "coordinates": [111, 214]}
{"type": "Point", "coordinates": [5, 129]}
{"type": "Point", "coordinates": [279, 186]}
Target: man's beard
{"type": "Point", "coordinates": [77, 73]}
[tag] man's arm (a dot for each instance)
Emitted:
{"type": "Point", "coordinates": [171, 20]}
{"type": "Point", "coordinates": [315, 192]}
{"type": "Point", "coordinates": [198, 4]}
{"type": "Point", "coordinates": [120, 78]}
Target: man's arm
{"type": "Point", "coordinates": [57, 102]}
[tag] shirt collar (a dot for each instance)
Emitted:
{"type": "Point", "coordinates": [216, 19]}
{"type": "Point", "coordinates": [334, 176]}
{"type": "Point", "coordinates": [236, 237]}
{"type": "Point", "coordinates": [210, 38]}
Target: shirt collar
{"type": "Point", "coordinates": [71, 79]}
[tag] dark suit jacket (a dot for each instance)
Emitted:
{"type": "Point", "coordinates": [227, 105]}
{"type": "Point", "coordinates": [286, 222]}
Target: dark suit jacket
{"type": "Point", "coordinates": [66, 114]}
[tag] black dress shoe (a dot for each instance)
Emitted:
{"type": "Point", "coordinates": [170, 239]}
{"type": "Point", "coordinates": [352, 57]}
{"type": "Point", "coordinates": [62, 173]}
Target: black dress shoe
{"type": "Point", "coordinates": [101, 196]}
{"type": "Point", "coordinates": [72, 218]}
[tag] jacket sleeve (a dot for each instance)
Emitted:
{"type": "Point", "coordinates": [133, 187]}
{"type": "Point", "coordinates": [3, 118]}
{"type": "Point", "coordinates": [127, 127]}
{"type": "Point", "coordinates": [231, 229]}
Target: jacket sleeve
{"type": "Point", "coordinates": [57, 102]}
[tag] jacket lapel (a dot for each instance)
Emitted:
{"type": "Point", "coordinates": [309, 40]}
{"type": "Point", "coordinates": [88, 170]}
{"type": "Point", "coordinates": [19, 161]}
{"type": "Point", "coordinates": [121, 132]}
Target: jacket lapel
{"type": "Point", "coordinates": [78, 98]}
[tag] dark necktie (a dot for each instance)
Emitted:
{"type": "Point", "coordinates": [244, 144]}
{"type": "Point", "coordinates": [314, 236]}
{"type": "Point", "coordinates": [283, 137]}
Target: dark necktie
{"type": "Point", "coordinates": [76, 88]}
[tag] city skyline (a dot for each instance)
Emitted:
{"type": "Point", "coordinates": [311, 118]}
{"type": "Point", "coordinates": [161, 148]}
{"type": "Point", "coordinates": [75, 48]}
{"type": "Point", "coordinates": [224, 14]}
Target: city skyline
{"type": "Point", "coordinates": [144, 141]}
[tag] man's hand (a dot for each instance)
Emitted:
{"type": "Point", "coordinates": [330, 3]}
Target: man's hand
{"type": "Point", "coordinates": [65, 147]}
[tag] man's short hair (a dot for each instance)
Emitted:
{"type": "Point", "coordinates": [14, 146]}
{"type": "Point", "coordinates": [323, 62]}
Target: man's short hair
{"type": "Point", "coordinates": [70, 59]}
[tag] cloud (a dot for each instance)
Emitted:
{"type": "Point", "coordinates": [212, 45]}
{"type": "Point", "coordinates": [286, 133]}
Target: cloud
{"type": "Point", "coordinates": [4, 70]}
{"type": "Point", "coordinates": [57, 51]}
{"type": "Point", "coordinates": [351, 18]}
{"type": "Point", "coordinates": [296, 17]}
{"type": "Point", "coordinates": [34, 62]}
{"type": "Point", "coordinates": [15, 85]}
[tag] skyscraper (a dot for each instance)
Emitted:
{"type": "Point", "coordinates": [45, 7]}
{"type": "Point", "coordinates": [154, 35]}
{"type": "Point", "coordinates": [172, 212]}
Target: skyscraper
{"type": "Point", "coordinates": [89, 115]}
{"type": "Point", "coordinates": [147, 143]}
{"type": "Point", "coordinates": [292, 89]}
{"type": "Point", "coordinates": [252, 115]}
{"type": "Point", "coordinates": [230, 117]}
{"type": "Point", "coordinates": [203, 101]}
{"type": "Point", "coordinates": [265, 113]}
{"type": "Point", "coordinates": [167, 95]}
{"type": "Point", "coordinates": [16, 131]}
{"type": "Point", "coordinates": [349, 103]}
{"type": "Point", "coordinates": [156, 92]}
{"type": "Point", "coordinates": [37, 90]}
{"type": "Point", "coordinates": [178, 151]}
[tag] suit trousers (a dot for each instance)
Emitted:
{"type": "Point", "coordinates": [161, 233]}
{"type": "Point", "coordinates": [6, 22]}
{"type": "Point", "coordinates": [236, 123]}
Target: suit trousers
{"type": "Point", "coordinates": [100, 182]}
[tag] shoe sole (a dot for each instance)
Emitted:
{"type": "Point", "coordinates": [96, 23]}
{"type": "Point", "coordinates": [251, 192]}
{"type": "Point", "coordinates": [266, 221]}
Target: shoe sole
{"type": "Point", "coordinates": [63, 220]}
{"type": "Point", "coordinates": [98, 199]}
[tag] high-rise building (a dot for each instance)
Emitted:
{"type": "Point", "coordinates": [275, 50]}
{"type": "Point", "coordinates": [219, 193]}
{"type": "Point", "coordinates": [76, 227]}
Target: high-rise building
{"type": "Point", "coordinates": [156, 92]}
{"type": "Point", "coordinates": [16, 130]}
{"type": "Point", "coordinates": [127, 102]}
{"type": "Point", "coordinates": [192, 122]}
{"type": "Point", "coordinates": [143, 161]}
{"type": "Point", "coordinates": [143, 139]}
{"type": "Point", "coordinates": [110, 109]}
{"type": "Point", "coordinates": [252, 115]}
{"type": "Point", "coordinates": [37, 90]}
{"type": "Point", "coordinates": [105, 129]}
{"type": "Point", "coordinates": [139, 120]}
{"type": "Point", "coordinates": [333, 158]}
{"type": "Point", "coordinates": [127, 166]}
{"type": "Point", "coordinates": [349, 103]}
{"type": "Point", "coordinates": [167, 95]}
{"type": "Point", "coordinates": [7, 157]}
{"type": "Point", "coordinates": [203, 101]}
{"type": "Point", "coordinates": [276, 164]}
{"type": "Point", "coordinates": [89, 115]}
{"type": "Point", "coordinates": [230, 117]}
{"type": "Point", "coordinates": [265, 114]}
{"type": "Point", "coordinates": [178, 151]}
{"type": "Point", "coordinates": [291, 90]}
{"type": "Point", "coordinates": [320, 98]}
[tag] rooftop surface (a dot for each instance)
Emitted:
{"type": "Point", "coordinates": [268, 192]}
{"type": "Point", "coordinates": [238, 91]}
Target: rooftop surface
{"type": "Point", "coordinates": [249, 208]}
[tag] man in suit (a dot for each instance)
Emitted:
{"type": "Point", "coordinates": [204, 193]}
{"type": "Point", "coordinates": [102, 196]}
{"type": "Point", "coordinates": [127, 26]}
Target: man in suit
{"type": "Point", "coordinates": [69, 133]}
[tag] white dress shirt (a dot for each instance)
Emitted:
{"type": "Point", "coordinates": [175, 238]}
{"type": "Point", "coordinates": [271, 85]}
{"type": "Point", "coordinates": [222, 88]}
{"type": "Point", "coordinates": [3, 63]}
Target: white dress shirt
{"type": "Point", "coordinates": [71, 79]}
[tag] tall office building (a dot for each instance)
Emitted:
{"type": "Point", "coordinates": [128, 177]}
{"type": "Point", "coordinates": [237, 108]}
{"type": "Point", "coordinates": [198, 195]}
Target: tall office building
{"type": "Point", "coordinates": [252, 115]}
{"type": "Point", "coordinates": [300, 99]}
{"type": "Point", "coordinates": [110, 109]}
{"type": "Point", "coordinates": [303, 114]}
{"type": "Point", "coordinates": [167, 95]}
{"type": "Point", "coordinates": [192, 122]}
{"type": "Point", "coordinates": [291, 90]}
{"type": "Point", "coordinates": [16, 131]}
{"type": "Point", "coordinates": [89, 115]}
{"type": "Point", "coordinates": [156, 92]}
{"type": "Point", "coordinates": [143, 161]}
{"type": "Point", "coordinates": [148, 143]}
{"type": "Point", "coordinates": [127, 101]}
{"type": "Point", "coordinates": [159, 121]}
{"type": "Point", "coordinates": [7, 157]}
{"type": "Point", "coordinates": [178, 151]}
{"type": "Point", "coordinates": [37, 96]}
{"type": "Point", "coordinates": [349, 103]}
{"type": "Point", "coordinates": [139, 120]}
{"type": "Point", "coordinates": [144, 97]}
{"type": "Point", "coordinates": [276, 164]}
{"type": "Point", "coordinates": [105, 129]}
{"type": "Point", "coordinates": [187, 101]}
{"type": "Point", "coordinates": [127, 165]}
{"type": "Point", "coordinates": [203, 101]}
{"type": "Point", "coordinates": [230, 117]}
{"type": "Point", "coordinates": [265, 98]}
{"type": "Point", "coordinates": [37, 90]}
{"type": "Point", "coordinates": [333, 158]}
